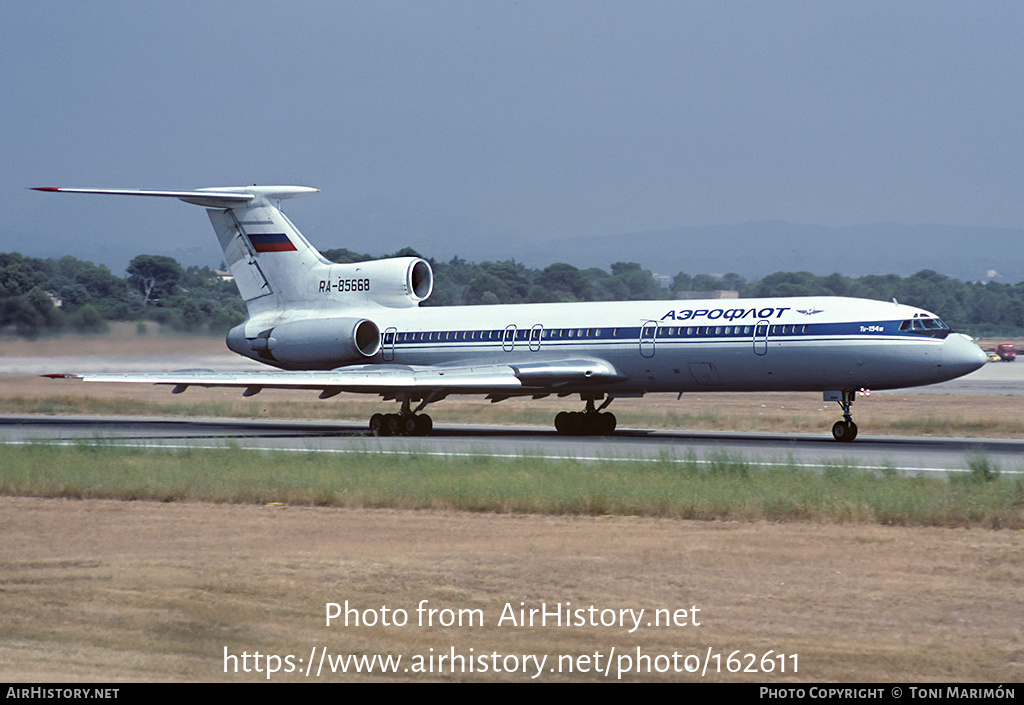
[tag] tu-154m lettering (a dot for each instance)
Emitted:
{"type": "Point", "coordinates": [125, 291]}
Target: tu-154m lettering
{"type": "Point", "coordinates": [360, 328]}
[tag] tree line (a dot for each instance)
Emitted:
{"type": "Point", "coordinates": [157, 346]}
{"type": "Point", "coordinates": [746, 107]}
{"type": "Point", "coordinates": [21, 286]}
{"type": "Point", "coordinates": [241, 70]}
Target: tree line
{"type": "Point", "coordinates": [49, 295]}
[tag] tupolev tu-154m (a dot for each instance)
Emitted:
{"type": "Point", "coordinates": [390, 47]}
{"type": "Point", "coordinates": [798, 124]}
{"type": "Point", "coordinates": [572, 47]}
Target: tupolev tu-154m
{"type": "Point", "coordinates": [360, 328]}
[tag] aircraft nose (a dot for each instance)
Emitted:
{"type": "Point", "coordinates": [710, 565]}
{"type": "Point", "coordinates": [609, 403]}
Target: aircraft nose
{"type": "Point", "coordinates": [961, 355]}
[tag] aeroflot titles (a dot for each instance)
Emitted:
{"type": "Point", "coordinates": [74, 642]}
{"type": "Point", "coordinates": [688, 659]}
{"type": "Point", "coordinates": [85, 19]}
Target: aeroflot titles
{"type": "Point", "coordinates": [729, 314]}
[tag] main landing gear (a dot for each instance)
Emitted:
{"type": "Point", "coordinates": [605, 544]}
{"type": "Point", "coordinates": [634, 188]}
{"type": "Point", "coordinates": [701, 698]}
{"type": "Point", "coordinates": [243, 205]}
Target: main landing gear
{"type": "Point", "coordinates": [846, 430]}
{"type": "Point", "coordinates": [401, 424]}
{"type": "Point", "coordinates": [407, 423]}
{"type": "Point", "coordinates": [591, 422]}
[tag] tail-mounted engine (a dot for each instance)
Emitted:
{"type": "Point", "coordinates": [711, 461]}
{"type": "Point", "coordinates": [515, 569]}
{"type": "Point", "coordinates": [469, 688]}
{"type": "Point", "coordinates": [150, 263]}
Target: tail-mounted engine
{"type": "Point", "coordinates": [323, 343]}
{"type": "Point", "coordinates": [401, 282]}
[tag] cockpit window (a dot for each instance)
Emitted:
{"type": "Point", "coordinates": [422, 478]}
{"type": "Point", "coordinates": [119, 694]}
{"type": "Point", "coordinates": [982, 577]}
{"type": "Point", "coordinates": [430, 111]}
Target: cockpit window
{"type": "Point", "coordinates": [924, 325]}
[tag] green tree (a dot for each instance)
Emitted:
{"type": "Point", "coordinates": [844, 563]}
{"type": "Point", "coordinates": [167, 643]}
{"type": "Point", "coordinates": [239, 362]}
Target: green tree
{"type": "Point", "coordinates": [342, 255]}
{"type": "Point", "coordinates": [34, 313]}
{"type": "Point", "coordinates": [154, 276]}
{"type": "Point", "coordinates": [192, 316]}
{"type": "Point", "coordinates": [488, 289]}
{"type": "Point", "coordinates": [87, 319]}
{"type": "Point", "coordinates": [507, 281]}
{"type": "Point", "coordinates": [640, 284]}
{"type": "Point", "coordinates": [563, 282]}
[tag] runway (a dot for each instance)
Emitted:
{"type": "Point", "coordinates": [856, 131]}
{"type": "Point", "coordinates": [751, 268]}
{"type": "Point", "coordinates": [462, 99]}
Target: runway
{"type": "Point", "coordinates": [904, 454]}
{"type": "Point", "coordinates": [907, 454]}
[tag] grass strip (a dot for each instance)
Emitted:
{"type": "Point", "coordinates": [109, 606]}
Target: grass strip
{"type": "Point", "coordinates": [720, 486]}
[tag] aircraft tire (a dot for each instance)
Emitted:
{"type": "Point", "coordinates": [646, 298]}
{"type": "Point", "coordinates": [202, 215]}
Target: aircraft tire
{"type": "Point", "coordinates": [562, 422]}
{"type": "Point", "coordinates": [424, 425]}
{"type": "Point", "coordinates": [377, 426]}
{"type": "Point", "coordinates": [392, 424]}
{"type": "Point", "coordinates": [843, 431]}
{"type": "Point", "coordinates": [593, 424]}
{"type": "Point", "coordinates": [578, 423]}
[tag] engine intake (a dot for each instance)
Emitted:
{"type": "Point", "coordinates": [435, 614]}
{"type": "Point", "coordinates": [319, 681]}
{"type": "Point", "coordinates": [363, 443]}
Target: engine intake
{"type": "Point", "coordinates": [400, 282]}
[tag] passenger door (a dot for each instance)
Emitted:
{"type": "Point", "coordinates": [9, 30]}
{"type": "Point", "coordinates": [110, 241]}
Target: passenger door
{"type": "Point", "coordinates": [761, 338]}
{"type": "Point", "coordinates": [648, 333]}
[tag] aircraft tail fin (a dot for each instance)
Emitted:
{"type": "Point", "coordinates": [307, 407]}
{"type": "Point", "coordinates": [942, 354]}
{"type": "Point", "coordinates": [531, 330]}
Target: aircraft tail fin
{"type": "Point", "coordinates": [270, 260]}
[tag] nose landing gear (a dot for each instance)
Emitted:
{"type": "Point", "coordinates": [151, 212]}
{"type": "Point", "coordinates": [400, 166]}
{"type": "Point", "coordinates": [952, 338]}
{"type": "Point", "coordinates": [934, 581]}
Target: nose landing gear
{"type": "Point", "coordinates": [846, 430]}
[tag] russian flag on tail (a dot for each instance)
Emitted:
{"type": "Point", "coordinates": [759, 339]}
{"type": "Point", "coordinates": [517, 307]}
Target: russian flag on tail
{"type": "Point", "coordinates": [271, 242]}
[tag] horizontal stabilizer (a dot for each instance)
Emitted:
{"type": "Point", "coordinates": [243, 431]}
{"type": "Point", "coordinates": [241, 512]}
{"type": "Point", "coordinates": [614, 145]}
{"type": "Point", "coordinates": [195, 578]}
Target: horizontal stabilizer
{"type": "Point", "coordinates": [223, 197]}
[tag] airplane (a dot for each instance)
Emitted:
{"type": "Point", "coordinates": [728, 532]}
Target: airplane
{"type": "Point", "coordinates": [360, 328]}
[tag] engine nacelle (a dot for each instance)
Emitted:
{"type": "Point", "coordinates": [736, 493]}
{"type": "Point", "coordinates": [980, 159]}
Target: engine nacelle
{"type": "Point", "coordinates": [322, 343]}
{"type": "Point", "coordinates": [400, 282]}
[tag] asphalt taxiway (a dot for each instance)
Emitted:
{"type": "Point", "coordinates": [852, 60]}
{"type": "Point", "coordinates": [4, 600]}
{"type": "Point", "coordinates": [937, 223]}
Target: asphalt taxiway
{"type": "Point", "coordinates": [904, 454]}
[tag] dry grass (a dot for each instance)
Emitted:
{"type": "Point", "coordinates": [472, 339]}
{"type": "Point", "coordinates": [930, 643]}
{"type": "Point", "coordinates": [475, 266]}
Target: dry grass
{"type": "Point", "coordinates": [116, 591]}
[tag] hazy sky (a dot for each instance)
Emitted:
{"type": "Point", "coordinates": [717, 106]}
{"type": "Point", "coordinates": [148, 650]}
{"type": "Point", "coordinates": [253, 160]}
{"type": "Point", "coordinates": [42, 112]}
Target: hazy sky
{"type": "Point", "coordinates": [477, 123]}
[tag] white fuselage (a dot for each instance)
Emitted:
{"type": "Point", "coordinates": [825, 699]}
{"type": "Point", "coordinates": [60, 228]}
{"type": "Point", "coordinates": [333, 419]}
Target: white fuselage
{"type": "Point", "coordinates": [781, 344]}
{"type": "Point", "coordinates": [362, 327]}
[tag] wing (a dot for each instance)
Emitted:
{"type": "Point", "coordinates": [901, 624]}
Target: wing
{"type": "Point", "coordinates": [497, 380]}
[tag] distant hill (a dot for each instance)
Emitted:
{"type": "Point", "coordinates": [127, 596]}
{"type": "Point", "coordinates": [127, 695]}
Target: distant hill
{"type": "Point", "coordinates": [754, 250]}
